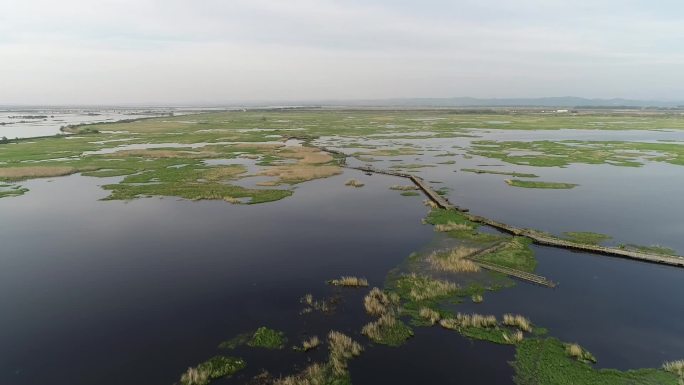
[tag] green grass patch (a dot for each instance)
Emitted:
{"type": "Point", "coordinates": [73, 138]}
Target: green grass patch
{"type": "Point", "coordinates": [410, 194]}
{"type": "Point", "coordinates": [494, 172]}
{"type": "Point", "coordinates": [585, 237]}
{"type": "Point", "coordinates": [239, 340]}
{"type": "Point", "coordinates": [653, 249]}
{"type": "Point", "coordinates": [546, 361]}
{"type": "Point", "coordinates": [267, 338]}
{"type": "Point", "coordinates": [535, 184]}
{"type": "Point", "coordinates": [388, 330]}
{"type": "Point", "coordinates": [515, 254]}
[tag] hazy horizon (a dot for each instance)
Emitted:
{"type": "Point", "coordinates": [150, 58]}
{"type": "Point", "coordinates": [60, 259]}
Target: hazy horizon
{"type": "Point", "coordinates": [211, 53]}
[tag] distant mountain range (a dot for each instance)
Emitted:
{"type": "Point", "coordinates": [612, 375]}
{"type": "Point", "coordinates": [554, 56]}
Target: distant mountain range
{"type": "Point", "coordinates": [563, 101]}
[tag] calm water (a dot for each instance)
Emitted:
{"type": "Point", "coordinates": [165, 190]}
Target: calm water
{"type": "Point", "coordinates": [134, 293]}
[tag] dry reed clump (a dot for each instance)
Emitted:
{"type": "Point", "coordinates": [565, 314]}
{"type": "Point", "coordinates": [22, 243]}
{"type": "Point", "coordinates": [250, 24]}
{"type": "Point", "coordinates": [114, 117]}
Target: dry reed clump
{"type": "Point", "coordinates": [518, 321]}
{"type": "Point", "coordinates": [469, 320]}
{"type": "Point", "coordinates": [195, 376]}
{"type": "Point", "coordinates": [374, 329]}
{"type": "Point", "coordinates": [342, 349]}
{"type": "Point", "coordinates": [516, 337]}
{"type": "Point", "coordinates": [430, 204]}
{"type": "Point", "coordinates": [313, 304]}
{"type": "Point", "coordinates": [450, 226]}
{"type": "Point", "coordinates": [477, 298]}
{"type": "Point", "coordinates": [454, 261]}
{"type": "Point", "coordinates": [377, 303]}
{"type": "Point", "coordinates": [315, 374]}
{"type": "Point", "coordinates": [423, 288]}
{"type": "Point", "coordinates": [429, 315]}
{"type": "Point", "coordinates": [354, 183]}
{"type": "Point", "coordinates": [17, 173]}
{"type": "Point", "coordinates": [311, 343]}
{"type": "Point", "coordinates": [296, 173]}
{"type": "Point", "coordinates": [574, 350]}
{"type": "Point", "coordinates": [676, 367]}
{"type": "Point", "coordinates": [306, 155]}
{"type": "Point", "coordinates": [403, 188]}
{"type": "Point", "coordinates": [349, 281]}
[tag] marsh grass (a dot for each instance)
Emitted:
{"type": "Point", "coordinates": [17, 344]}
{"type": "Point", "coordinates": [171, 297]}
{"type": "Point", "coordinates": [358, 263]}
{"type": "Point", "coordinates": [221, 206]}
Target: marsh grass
{"type": "Point", "coordinates": [354, 183]}
{"type": "Point", "coordinates": [267, 338]}
{"type": "Point", "coordinates": [514, 337]}
{"type": "Point", "coordinates": [349, 281]}
{"type": "Point", "coordinates": [676, 367]}
{"type": "Point", "coordinates": [387, 330]}
{"type": "Point", "coordinates": [430, 315]}
{"type": "Point", "coordinates": [518, 321]}
{"type": "Point", "coordinates": [477, 298]}
{"type": "Point", "coordinates": [577, 352]}
{"type": "Point", "coordinates": [468, 320]}
{"type": "Point", "coordinates": [454, 260]}
{"type": "Point", "coordinates": [421, 287]}
{"type": "Point", "coordinates": [542, 185]}
{"type": "Point", "coordinates": [325, 306]}
{"type": "Point", "coordinates": [378, 303]}
{"type": "Point", "coordinates": [310, 343]}
{"type": "Point", "coordinates": [216, 367]}
{"type": "Point", "coordinates": [342, 349]}
{"type": "Point", "coordinates": [450, 226]}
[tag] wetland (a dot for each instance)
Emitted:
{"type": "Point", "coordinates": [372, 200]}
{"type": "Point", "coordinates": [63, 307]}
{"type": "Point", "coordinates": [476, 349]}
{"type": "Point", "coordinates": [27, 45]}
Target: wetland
{"type": "Point", "coordinates": [240, 247]}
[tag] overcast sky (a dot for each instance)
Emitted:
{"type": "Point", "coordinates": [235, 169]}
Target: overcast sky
{"type": "Point", "coordinates": [210, 51]}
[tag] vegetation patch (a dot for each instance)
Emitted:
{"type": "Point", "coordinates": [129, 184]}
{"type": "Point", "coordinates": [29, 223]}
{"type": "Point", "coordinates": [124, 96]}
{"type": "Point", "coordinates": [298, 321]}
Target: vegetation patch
{"type": "Point", "coordinates": [238, 340]}
{"type": "Point", "coordinates": [387, 330]}
{"type": "Point", "coordinates": [535, 184]}
{"type": "Point", "coordinates": [410, 194]}
{"type": "Point", "coordinates": [267, 338]}
{"type": "Point", "coordinates": [216, 367]}
{"type": "Point", "coordinates": [354, 183]}
{"type": "Point", "coordinates": [654, 249]}
{"type": "Point", "coordinates": [546, 361]}
{"type": "Point", "coordinates": [588, 238]}
{"type": "Point", "coordinates": [349, 281]}
{"type": "Point", "coordinates": [494, 172]}
{"type": "Point", "coordinates": [515, 254]}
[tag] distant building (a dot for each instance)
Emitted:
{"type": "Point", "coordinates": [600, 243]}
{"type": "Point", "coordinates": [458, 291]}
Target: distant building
{"type": "Point", "coordinates": [561, 111]}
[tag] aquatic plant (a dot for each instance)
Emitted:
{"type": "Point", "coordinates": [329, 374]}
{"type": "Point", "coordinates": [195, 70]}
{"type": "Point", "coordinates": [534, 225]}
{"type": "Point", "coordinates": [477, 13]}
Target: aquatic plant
{"type": "Point", "coordinates": [421, 287]}
{"type": "Point", "coordinates": [342, 349]}
{"type": "Point", "coordinates": [216, 367]}
{"type": "Point", "coordinates": [468, 320]}
{"type": "Point", "coordinates": [543, 185]}
{"type": "Point", "coordinates": [354, 183]}
{"type": "Point", "coordinates": [514, 338]}
{"type": "Point", "coordinates": [517, 321]}
{"type": "Point", "coordinates": [267, 338]}
{"type": "Point", "coordinates": [676, 367]}
{"type": "Point", "coordinates": [477, 298]}
{"type": "Point", "coordinates": [450, 226]}
{"type": "Point", "coordinates": [387, 330]}
{"type": "Point", "coordinates": [378, 303]}
{"type": "Point", "coordinates": [349, 281]}
{"type": "Point", "coordinates": [310, 343]}
{"type": "Point", "coordinates": [454, 260]}
{"type": "Point", "coordinates": [430, 315]}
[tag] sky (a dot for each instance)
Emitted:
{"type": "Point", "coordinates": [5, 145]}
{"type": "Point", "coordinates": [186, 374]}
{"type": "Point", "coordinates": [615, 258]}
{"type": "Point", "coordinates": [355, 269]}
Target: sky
{"type": "Point", "coordinates": [232, 51]}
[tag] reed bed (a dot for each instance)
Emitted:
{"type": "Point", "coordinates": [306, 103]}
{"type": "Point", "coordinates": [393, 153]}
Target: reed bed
{"type": "Point", "coordinates": [518, 321]}
{"type": "Point", "coordinates": [195, 376]}
{"type": "Point", "coordinates": [577, 352]}
{"type": "Point", "coordinates": [349, 281]}
{"type": "Point", "coordinates": [469, 320]}
{"type": "Point", "coordinates": [676, 367]}
{"type": "Point", "coordinates": [314, 304]}
{"type": "Point", "coordinates": [374, 329]}
{"type": "Point", "coordinates": [454, 261]}
{"type": "Point", "coordinates": [477, 298]}
{"type": "Point", "coordinates": [429, 315]}
{"type": "Point", "coordinates": [311, 343]}
{"type": "Point", "coordinates": [342, 349]}
{"type": "Point", "coordinates": [378, 303]}
{"type": "Point", "coordinates": [450, 226]}
{"type": "Point", "coordinates": [420, 287]}
{"type": "Point", "coordinates": [315, 374]}
{"type": "Point", "coordinates": [354, 183]}
{"type": "Point", "coordinates": [514, 338]}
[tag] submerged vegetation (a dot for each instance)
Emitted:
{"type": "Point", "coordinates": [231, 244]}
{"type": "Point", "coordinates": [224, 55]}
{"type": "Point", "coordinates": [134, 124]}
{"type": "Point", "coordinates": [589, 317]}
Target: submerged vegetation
{"type": "Point", "coordinates": [508, 173]}
{"type": "Point", "coordinates": [587, 237]}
